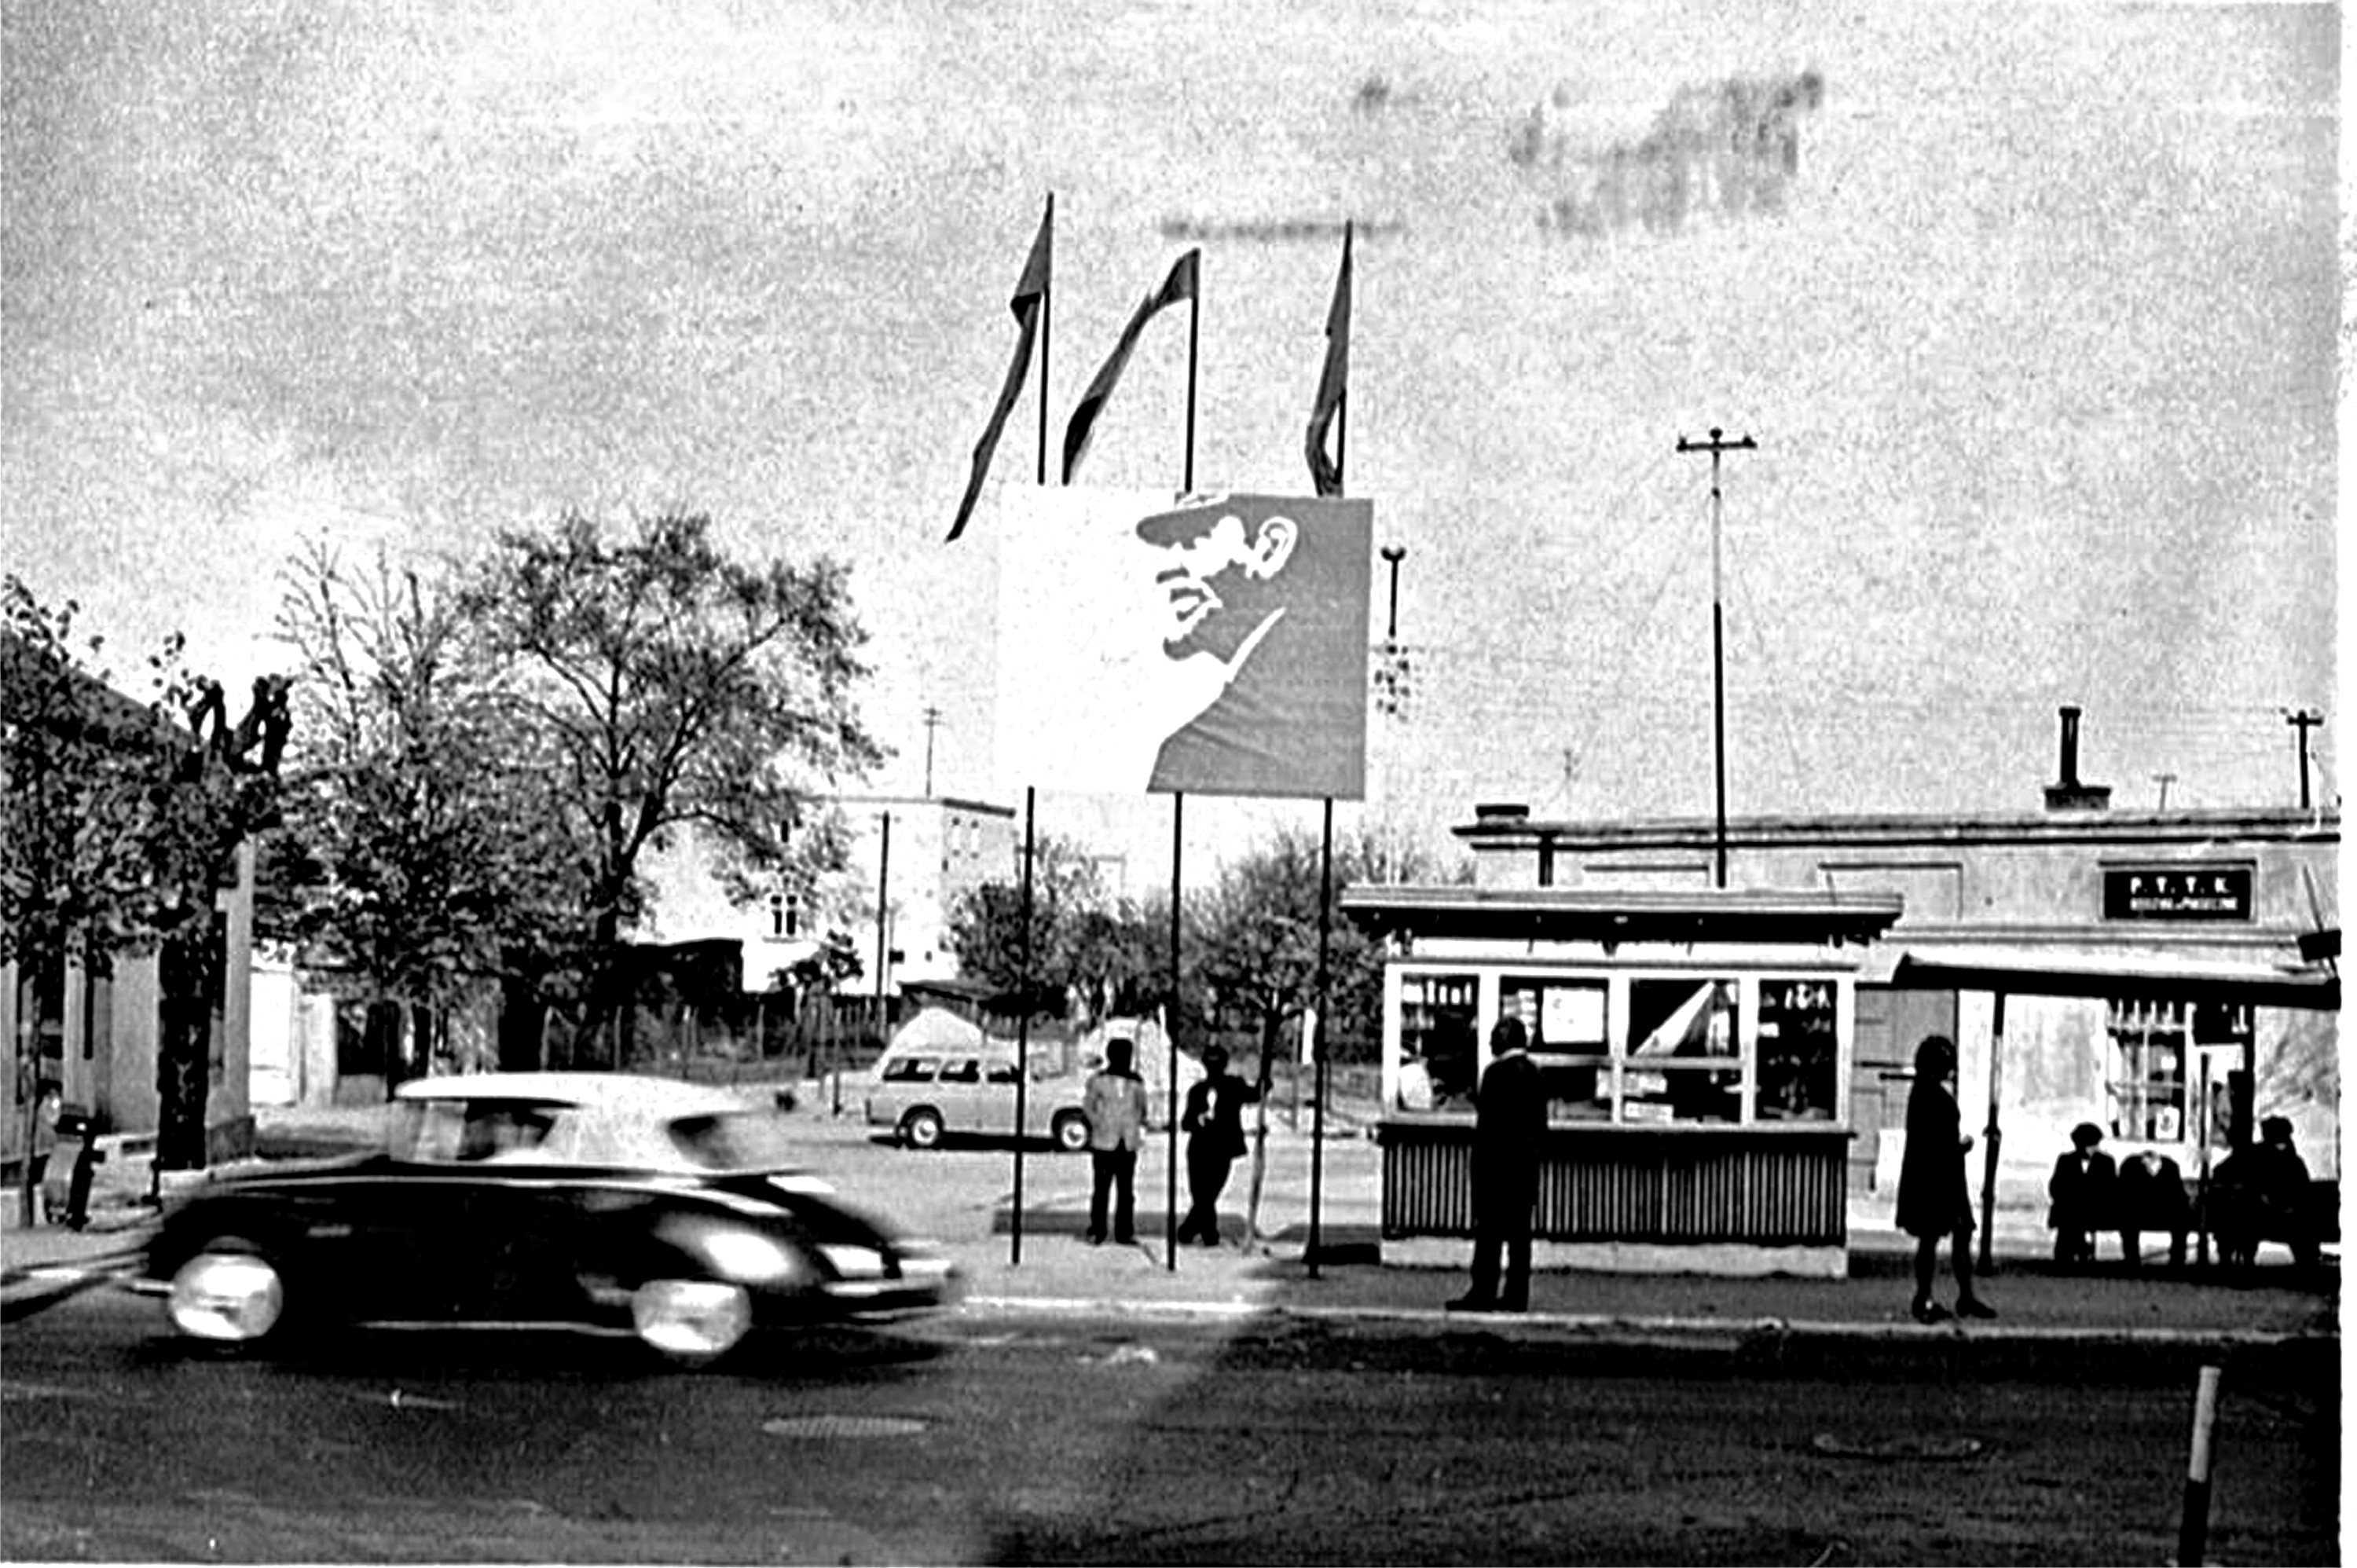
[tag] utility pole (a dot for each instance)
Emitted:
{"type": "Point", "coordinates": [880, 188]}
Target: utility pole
{"type": "Point", "coordinates": [1715, 445]}
{"type": "Point", "coordinates": [932, 723]}
{"type": "Point", "coordinates": [2164, 781]}
{"type": "Point", "coordinates": [2303, 721]}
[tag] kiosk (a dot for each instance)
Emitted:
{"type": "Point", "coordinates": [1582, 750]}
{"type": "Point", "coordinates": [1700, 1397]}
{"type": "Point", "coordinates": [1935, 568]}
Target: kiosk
{"type": "Point", "coordinates": [1695, 1049]}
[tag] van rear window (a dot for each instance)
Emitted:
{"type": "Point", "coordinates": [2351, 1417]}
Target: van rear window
{"type": "Point", "coordinates": [911, 1069]}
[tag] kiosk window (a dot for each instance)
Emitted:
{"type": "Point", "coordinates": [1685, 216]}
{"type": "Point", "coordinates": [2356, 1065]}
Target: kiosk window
{"type": "Point", "coordinates": [1569, 1041]}
{"type": "Point", "coordinates": [1684, 1052]}
{"type": "Point", "coordinates": [1437, 1054]}
{"type": "Point", "coordinates": [1682, 1020]}
{"type": "Point", "coordinates": [1799, 1050]}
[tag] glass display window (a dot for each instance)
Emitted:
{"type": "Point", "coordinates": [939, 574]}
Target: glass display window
{"type": "Point", "coordinates": [2155, 1047]}
{"type": "Point", "coordinates": [1635, 1048]}
{"type": "Point", "coordinates": [1439, 1048]}
{"type": "Point", "coordinates": [1800, 1050]}
{"type": "Point", "coordinates": [1684, 1018]}
{"type": "Point", "coordinates": [1567, 1019]}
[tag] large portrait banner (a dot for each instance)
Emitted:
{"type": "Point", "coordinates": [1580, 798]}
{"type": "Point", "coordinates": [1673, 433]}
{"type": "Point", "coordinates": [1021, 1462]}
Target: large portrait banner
{"type": "Point", "coordinates": [1210, 644]}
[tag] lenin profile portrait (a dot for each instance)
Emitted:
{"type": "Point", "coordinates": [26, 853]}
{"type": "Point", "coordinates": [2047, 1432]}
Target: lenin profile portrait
{"type": "Point", "coordinates": [1210, 645]}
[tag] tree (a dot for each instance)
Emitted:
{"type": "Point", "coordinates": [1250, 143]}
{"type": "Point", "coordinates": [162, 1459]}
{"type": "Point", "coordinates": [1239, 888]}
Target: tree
{"type": "Point", "coordinates": [1085, 947]}
{"type": "Point", "coordinates": [421, 852]}
{"type": "Point", "coordinates": [1259, 944]}
{"type": "Point", "coordinates": [119, 827]}
{"type": "Point", "coordinates": [678, 689]}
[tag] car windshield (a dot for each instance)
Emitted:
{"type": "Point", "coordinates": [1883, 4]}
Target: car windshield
{"type": "Point", "coordinates": [749, 1140]}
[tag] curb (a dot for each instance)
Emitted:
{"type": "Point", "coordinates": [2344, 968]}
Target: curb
{"type": "Point", "coordinates": [1690, 1332]}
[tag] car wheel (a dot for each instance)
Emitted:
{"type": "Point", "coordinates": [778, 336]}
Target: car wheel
{"type": "Point", "coordinates": [690, 1322]}
{"type": "Point", "coordinates": [921, 1129]}
{"type": "Point", "coordinates": [227, 1293]}
{"type": "Point", "coordinates": [1071, 1132]}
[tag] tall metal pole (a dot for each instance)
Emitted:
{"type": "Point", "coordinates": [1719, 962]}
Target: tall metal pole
{"type": "Point", "coordinates": [1170, 1039]}
{"type": "Point", "coordinates": [1715, 445]}
{"type": "Point", "coordinates": [1022, 1035]}
{"type": "Point", "coordinates": [1318, 1040]}
{"type": "Point", "coordinates": [883, 904]}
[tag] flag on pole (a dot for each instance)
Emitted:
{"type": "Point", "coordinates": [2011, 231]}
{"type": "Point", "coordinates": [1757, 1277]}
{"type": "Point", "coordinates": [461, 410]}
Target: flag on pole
{"type": "Point", "coordinates": [1030, 302]}
{"type": "Point", "coordinates": [1326, 473]}
{"type": "Point", "coordinates": [1182, 282]}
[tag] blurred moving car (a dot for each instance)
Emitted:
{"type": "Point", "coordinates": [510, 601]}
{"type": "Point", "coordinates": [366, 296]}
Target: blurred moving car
{"type": "Point", "coordinates": [925, 1095]}
{"type": "Point", "coordinates": [616, 1204]}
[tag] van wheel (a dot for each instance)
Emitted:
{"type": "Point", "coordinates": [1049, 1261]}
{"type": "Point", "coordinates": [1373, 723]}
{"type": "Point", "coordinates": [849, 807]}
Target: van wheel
{"type": "Point", "coordinates": [1071, 1132]}
{"type": "Point", "coordinates": [921, 1129]}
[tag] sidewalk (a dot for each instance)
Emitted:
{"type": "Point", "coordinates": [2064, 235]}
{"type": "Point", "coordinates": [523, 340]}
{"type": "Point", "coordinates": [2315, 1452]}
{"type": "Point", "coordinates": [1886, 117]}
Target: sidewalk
{"type": "Point", "coordinates": [1058, 1274]}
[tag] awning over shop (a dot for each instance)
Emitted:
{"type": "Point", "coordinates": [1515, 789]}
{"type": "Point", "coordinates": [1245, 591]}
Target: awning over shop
{"type": "Point", "coordinates": [2033, 972]}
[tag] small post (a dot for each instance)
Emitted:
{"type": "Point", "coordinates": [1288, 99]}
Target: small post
{"type": "Point", "coordinates": [2194, 1530]}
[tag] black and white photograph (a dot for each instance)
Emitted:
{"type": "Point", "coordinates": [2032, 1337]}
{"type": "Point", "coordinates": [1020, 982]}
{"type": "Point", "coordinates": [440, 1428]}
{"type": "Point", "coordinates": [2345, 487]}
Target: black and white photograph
{"type": "Point", "coordinates": [1414, 782]}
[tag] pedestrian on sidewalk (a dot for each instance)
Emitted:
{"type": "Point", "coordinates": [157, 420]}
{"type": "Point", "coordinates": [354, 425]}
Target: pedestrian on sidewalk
{"type": "Point", "coordinates": [1935, 1199]}
{"type": "Point", "coordinates": [1509, 1112]}
{"type": "Point", "coordinates": [1215, 1141]}
{"type": "Point", "coordinates": [46, 1104]}
{"type": "Point", "coordinates": [1115, 1101]}
{"type": "Point", "coordinates": [2080, 1195]}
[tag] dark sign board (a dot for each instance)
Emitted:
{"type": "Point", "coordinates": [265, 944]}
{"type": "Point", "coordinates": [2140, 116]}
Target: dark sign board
{"type": "Point", "coordinates": [2178, 892]}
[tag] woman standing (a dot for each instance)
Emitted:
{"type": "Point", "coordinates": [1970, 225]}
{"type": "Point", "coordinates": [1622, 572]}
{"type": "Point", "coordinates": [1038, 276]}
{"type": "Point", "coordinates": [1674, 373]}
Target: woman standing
{"type": "Point", "coordinates": [1933, 1199]}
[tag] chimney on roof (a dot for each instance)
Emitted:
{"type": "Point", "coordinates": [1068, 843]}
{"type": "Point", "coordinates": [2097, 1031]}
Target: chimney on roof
{"type": "Point", "coordinates": [2067, 794]}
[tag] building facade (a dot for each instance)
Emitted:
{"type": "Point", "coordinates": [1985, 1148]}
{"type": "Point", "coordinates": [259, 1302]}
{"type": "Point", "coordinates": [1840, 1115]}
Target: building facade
{"type": "Point", "coordinates": [2165, 975]}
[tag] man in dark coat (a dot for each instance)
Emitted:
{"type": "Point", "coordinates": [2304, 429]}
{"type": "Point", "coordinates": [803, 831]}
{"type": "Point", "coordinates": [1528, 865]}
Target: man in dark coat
{"type": "Point", "coordinates": [2080, 1195]}
{"type": "Point", "coordinates": [1933, 1199]}
{"type": "Point", "coordinates": [1510, 1118]}
{"type": "Point", "coordinates": [1213, 1122]}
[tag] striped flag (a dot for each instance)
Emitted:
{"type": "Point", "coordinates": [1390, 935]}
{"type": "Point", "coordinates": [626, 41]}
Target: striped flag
{"type": "Point", "coordinates": [1184, 280]}
{"type": "Point", "coordinates": [1030, 307]}
{"type": "Point", "coordinates": [1332, 382]}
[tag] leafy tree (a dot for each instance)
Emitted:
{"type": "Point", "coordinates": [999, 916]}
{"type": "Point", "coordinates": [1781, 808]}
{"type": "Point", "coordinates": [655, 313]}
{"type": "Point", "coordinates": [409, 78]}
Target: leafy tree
{"type": "Point", "coordinates": [1260, 939]}
{"type": "Point", "coordinates": [119, 827]}
{"type": "Point", "coordinates": [1086, 947]}
{"type": "Point", "coordinates": [679, 689]}
{"type": "Point", "coordinates": [421, 852]}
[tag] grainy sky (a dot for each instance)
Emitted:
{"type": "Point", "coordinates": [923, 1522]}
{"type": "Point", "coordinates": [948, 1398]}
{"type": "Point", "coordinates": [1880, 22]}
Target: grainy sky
{"type": "Point", "coordinates": [2034, 324]}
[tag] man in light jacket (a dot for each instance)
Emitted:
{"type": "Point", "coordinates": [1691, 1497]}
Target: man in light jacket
{"type": "Point", "coordinates": [1116, 1103]}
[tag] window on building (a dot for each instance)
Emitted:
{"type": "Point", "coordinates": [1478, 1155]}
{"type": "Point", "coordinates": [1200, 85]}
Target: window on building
{"type": "Point", "coordinates": [1437, 1054]}
{"type": "Point", "coordinates": [1684, 1052]}
{"type": "Point", "coordinates": [785, 916]}
{"type": "Point", "coordinates": [1799, 1050]}
{"type": "Point", "coordinates": [2150, 1051]}
{"type": "Point", "coordinates": [2154, 1050]}
{"type": "Point", "coordinates": [1565, 1020]}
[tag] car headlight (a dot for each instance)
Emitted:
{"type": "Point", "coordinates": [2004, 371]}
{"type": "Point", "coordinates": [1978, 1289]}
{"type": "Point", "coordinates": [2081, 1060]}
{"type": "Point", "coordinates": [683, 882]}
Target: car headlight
{"type": "Point", "coordinates": [748, 1255]}
{"type": "Point", "coordinates": [853, 1262]}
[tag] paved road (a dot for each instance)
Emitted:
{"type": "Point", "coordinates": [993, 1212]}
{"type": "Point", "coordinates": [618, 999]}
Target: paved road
{"type": "Point", "coordinates": [977, 1438]}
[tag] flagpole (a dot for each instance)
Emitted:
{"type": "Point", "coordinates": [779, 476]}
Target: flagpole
{"type": "Point", "coordinates": [1170, 1039]}
{"type": "Point", "coordinates": [1047, 318]}
{"type": "Point", "coordinates": [1022, 1038]}
{"type": "Point", "coordinates": [1318, 1038]}
{"type": "Point", "coordinates": [1194, 321]}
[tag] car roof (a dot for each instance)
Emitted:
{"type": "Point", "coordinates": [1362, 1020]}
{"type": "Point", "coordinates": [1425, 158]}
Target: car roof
{"type": "Point", "coordinates": [632, 1094]}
